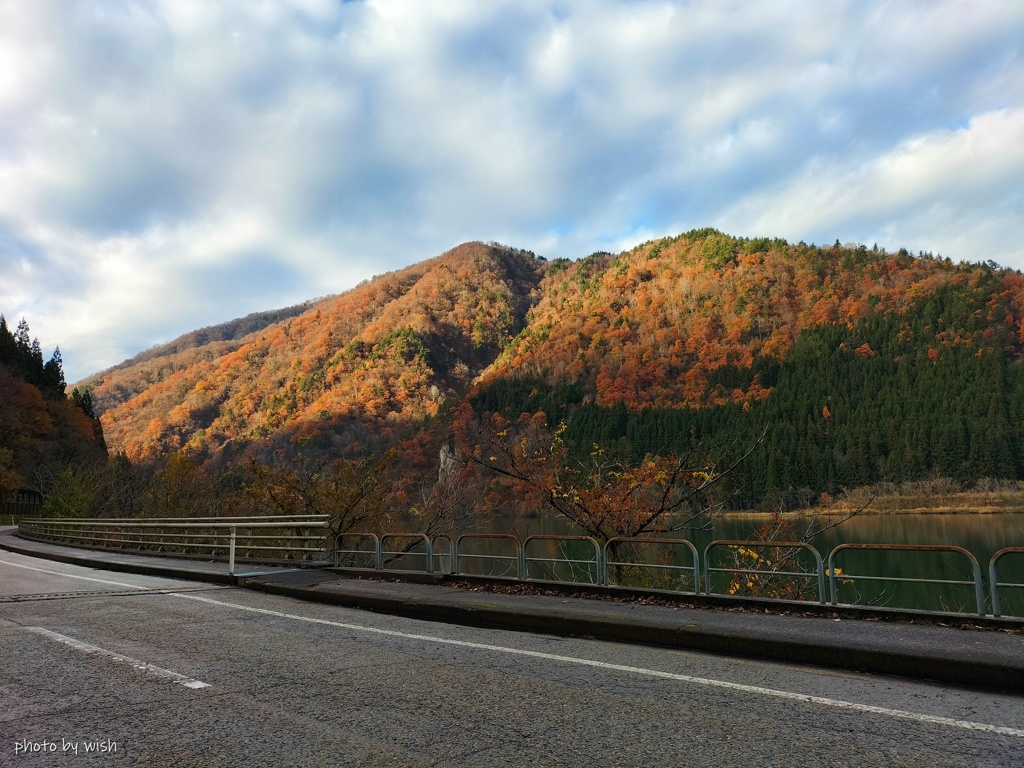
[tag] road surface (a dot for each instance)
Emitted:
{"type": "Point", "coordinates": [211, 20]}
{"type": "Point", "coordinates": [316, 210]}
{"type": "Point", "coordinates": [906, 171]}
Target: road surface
{"type": "Point", "coordinates": [107, 668]}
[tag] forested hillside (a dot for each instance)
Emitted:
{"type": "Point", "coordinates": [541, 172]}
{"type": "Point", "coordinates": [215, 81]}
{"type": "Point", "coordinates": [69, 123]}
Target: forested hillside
{"type": "Point", "coordinates": [341, 377]}
{"type": "Point", "coordinates": [44, 435]}
{"type": "Point", "coordinates": [127, 379]}
{"type": "Point", "coordinates": [862, 365]}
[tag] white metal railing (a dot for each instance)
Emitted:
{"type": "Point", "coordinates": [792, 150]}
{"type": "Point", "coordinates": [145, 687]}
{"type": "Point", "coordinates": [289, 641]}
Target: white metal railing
{"type": "Point", "coordinates": [276, 539]}
{"type": "Point", "coordinates": [512, 556]}
{"type": "Point", "coordinates": [307, 540]}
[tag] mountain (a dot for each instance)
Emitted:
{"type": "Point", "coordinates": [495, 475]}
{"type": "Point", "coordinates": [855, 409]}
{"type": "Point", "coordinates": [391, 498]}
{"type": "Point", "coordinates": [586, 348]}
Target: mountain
{"type": "Point", "coordinates": [121, 382]}
{"type": "Point", "coordinates": [863, 365]}
{"type": "Point", "coordinates": [652, 326]}
{"type": "Point", "coordinates": [341, 376]}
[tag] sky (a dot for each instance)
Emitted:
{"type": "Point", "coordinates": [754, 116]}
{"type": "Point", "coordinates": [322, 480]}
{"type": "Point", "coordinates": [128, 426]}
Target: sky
{"type": "Point", "coordinates": [171, 164]}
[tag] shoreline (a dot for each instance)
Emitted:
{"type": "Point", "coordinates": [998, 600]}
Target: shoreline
{"type": "Point", "coordinates": [956, 504]}
{"type": "Point", "coordinates": [874, 511]}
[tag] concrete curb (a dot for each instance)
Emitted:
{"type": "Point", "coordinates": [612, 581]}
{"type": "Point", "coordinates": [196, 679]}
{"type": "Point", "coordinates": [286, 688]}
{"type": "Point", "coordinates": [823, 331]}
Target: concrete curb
{"type": "Point", "coordinates": [714, 601]}
{"type": "Point", "coordinates": [975, 674]}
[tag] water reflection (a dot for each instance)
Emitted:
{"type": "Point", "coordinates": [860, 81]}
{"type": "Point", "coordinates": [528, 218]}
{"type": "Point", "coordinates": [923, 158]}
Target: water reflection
{"type": "Point", "coordinates": [981, 534]}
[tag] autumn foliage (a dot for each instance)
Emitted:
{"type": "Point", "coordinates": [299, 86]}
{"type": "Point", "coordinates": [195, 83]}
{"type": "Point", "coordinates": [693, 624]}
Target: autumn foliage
{"type": "Point", "coordinates": [45, 436]}
{"type": "Point", "coordinates": [602, 495]}
{"type": "Point", "coordinates": [863, 365]}
{"type": "Point", "coordinates": [344, 377]}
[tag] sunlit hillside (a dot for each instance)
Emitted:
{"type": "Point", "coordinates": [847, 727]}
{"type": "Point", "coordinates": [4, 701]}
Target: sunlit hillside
{"type": "Point", "coordinates": [339, 376]}
{"type": "Point", "coordinates": [862, 365]}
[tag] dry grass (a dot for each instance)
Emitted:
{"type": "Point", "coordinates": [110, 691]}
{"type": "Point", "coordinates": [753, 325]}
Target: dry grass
{"type": "Point", "coordinates": [933, 496]}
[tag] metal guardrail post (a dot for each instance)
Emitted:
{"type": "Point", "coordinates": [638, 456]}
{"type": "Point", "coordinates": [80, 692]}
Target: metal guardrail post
{"type": "Point", "coordinates": [451, 552]}
{"type": "Point", "coordinates": [979, 592]}
{"type": "Point", "coordinates": [231, 555]}
{"type": "Point", "coordinates": [993, 577]}
{"type": "Point", "coordinates": [607, 561]}
{"type": "Point", "coordinates": [764, 545]}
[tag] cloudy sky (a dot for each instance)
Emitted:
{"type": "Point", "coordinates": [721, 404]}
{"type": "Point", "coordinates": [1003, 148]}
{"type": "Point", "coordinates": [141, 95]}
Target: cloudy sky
{"type": "Point", "coordinates": [170, 164]}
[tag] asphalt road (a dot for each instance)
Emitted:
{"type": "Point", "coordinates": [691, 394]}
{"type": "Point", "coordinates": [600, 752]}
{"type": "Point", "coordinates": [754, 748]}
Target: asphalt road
{"type": "Point", "coordinates": [150, 671]}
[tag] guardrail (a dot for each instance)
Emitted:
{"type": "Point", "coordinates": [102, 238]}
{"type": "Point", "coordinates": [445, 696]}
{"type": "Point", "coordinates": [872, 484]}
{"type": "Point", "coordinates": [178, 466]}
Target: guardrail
{"type": "Point", "coordinates": [979, 590]}
{"type": "Point", "coordinates": [408, 551]}
{"type": "Point", "coordinates": [737, 544]}
{"type": "Point", "coordinates": [571, 563]}
{"type": "Point", "coordinates": [340, 552]}
{"type": "Point", "coordinates": [612, 547]}
{"type": "Point", "coordinates": [304, 540]}
{"type": "Point", "coordinates": [602, 568]}
{"type": "Point", "coordinates": [516, 558]}
{"type": "Point", "coordinates": [268, 540]}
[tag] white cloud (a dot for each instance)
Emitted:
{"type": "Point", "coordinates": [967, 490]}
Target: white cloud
{"type": "Point", "coordinates": [928, 192]}
{"type": "Point", "coordinates": [158, 159]}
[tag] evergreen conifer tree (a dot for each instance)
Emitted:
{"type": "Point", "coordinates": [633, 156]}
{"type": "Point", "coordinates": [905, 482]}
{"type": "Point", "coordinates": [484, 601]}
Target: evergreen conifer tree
{"type": "Point", "coordinates": [53, 384]}
{"type": "Point", "coordinates": [8, 346]}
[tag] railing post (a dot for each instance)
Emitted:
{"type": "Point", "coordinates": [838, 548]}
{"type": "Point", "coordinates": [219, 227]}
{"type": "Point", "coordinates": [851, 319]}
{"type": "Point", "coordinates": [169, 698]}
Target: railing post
{"type": "Point", "coordinates": [833, 589]}
{"type": "Point", "coordinates": [707, 569]}
{"type": "Point", "coordinates": [993, 580]}
{"type": "Point", "coordinates": [993, 577]}
{"type": "Point", "coordinates": [979, 590]}
{"type": "Point", "coordinates": [605, 578]}
{"type": "Point", "coordinates": [231, 552]}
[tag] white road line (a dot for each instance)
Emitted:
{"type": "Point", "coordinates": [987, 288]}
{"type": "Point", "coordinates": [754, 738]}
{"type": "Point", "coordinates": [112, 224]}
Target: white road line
{"type": "Point", "coordinates": [837, 703]}
{"type": "Point", "coordinates": [71, 575]}
{"type": "Point", "coordinates": [149, 669]}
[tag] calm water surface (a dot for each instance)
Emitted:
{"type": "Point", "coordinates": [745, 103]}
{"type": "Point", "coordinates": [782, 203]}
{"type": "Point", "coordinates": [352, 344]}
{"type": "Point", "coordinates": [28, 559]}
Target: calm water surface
{"type": "Point", "coordinates": [980, 534]}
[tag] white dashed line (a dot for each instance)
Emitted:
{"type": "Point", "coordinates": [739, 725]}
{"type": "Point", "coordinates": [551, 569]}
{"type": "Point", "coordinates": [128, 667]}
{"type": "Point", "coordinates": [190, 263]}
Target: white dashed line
{"type": "Point", "coordinates": [149, 669]}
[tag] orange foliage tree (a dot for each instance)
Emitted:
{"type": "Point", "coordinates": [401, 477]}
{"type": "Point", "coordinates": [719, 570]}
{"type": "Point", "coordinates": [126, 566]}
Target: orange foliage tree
{"type": "Point", "coordinates": [357, 494]}
{"type": "Point", "coordinates": [600, 493]}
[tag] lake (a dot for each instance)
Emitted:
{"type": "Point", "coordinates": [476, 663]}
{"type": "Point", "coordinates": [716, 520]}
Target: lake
{"type": "Point", "coordinates": [980, 534]}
